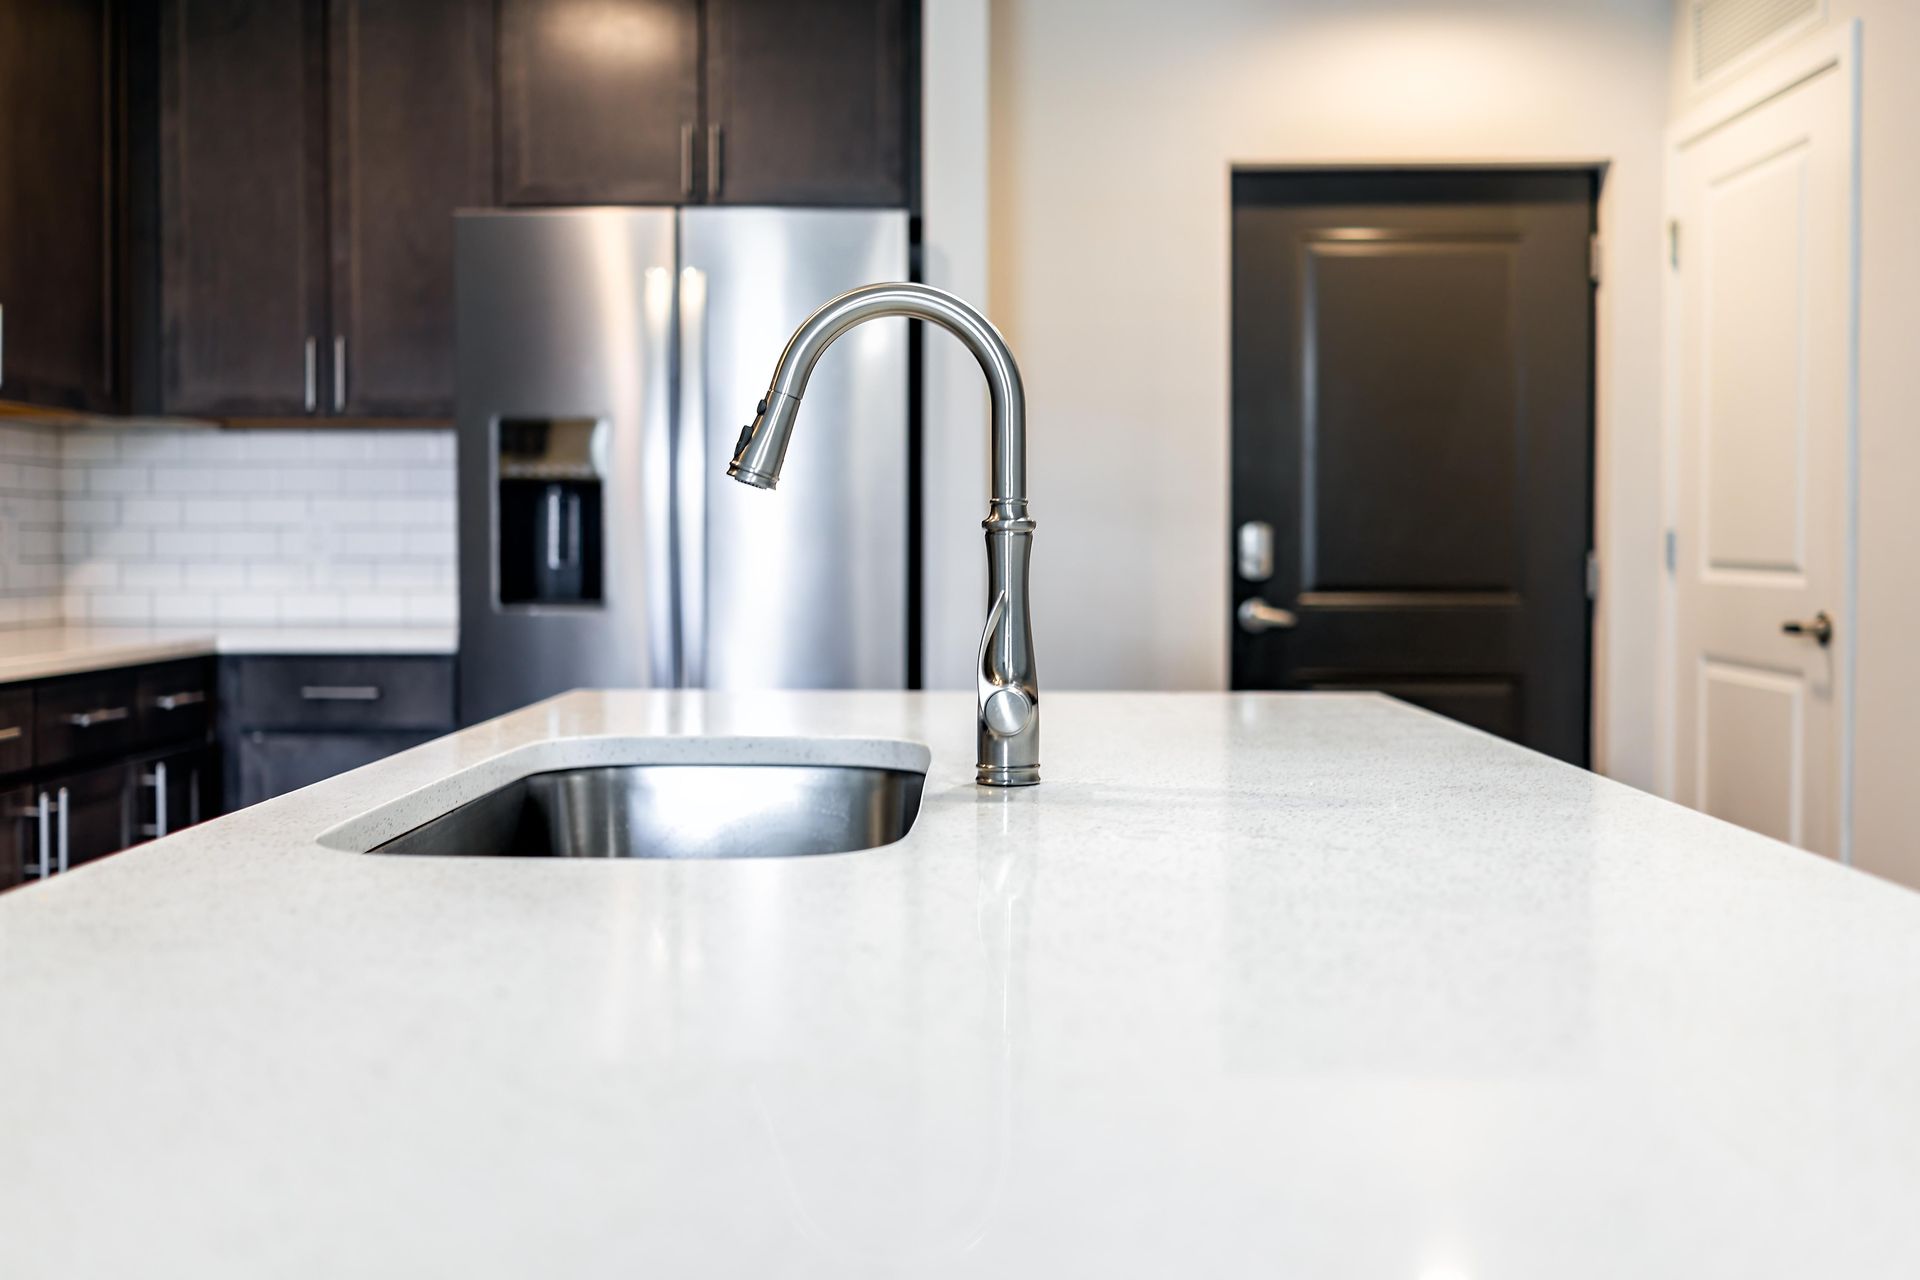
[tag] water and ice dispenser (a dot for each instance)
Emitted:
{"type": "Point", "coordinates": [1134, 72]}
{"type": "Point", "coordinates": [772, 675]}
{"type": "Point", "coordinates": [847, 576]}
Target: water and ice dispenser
{"type": "Point", "coordinates": [551, 530]}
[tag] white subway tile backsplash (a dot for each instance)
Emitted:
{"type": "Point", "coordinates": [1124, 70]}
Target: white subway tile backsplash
{"type": "Point", "coordinates": [189, 526]}
{"type": "Point", "coordinates": [250, 608]}
{"type": "Point", "coordinates": [31, 545]}
{"type": "Point", "coordinates": [150, 511]}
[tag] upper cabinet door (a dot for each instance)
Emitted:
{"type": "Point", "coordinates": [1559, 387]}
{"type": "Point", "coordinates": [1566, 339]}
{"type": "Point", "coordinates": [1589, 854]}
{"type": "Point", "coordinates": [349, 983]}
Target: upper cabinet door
{"type": "Point", "coordinates": [412, 140]}
{"type": "Point", "coordinates": [243, 214]}
{"type": "Point", "coordinates": [806, 103]}
{"type": "Point", "coordinates": [56, 344]}
{"type": "Point", "coordinates": [599, 103]}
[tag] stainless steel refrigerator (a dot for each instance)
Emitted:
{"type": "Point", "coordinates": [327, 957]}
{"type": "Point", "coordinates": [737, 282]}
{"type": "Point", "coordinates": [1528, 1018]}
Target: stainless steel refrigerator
{"type": "Point", "coordinates": [608, 359]}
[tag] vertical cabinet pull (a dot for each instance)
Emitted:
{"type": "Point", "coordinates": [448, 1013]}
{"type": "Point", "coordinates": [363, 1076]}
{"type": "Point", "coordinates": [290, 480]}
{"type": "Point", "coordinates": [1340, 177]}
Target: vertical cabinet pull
{"type": "Point", "coordinates": [46, 847]}
{"type": "Point", "coordinates": [60, 830]}
{"type": "Point", "coordinates": [686, 160]}
{"type": "Point", "coordinates": [3, 345]}
{"type": "Point", "coordinates": [714, 156]}
{"type": "Point", "coordinates": [339, 372]}
{"type": "Point", "coordinates": [159, 799]}
{"type": "Point", "coordinates": [312, 397]}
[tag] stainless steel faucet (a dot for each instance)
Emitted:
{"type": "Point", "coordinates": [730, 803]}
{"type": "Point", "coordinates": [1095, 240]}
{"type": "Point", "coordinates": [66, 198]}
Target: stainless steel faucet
{"type": "Point", "coordinates": [1008, 695]}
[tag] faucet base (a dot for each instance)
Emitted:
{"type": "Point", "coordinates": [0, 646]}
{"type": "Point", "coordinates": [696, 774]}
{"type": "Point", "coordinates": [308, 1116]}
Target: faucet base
{"type": "Point", "coordinates": [1025, 775]}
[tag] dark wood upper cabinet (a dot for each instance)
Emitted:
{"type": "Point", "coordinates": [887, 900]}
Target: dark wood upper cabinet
{"type": "Point", "coordinates": [806, 103]}
{"type": "Point", "coordinates": [599, 100]}
{"type": "Point", "coordinates": [57, 322]}
{"type": "Point", "coordinates": [242, 219]}
{"type": "Point", "coordinates": [411, 101]}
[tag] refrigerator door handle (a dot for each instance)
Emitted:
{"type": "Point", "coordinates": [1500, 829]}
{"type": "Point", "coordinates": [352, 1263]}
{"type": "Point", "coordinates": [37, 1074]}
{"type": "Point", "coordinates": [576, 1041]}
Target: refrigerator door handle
{"type": "Point", "coordinates": [656, 479]}
{"type": "Point", "coordinates": [690, 479]}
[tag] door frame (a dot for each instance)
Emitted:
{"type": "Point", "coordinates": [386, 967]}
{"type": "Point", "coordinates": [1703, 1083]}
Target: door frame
{"type": "Point", "coordinates": [1601, 522]}
{"type": "Point", "coordinates": [1835, 49]}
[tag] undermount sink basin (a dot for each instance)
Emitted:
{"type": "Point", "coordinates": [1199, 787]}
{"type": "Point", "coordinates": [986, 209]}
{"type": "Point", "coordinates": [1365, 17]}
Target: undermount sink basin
{"type": "Point", "coordinates": [666, 810]}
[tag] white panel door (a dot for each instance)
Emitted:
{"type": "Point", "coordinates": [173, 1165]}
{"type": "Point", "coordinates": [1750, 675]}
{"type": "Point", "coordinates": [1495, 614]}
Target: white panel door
{"type": "Point", "coordinates": [1763, 205]}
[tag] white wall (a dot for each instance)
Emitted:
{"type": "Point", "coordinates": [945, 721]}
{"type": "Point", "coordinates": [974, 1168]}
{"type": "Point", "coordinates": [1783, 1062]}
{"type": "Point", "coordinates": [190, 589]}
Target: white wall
{"type": "Point", "coordinates": [953, 244]}
{"type": "Point", "coordinates": [1886, 803]}
{"type": "Point", "coordinates": [1114, 126]}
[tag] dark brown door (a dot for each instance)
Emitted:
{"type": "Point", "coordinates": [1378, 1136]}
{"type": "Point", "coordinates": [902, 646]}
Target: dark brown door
{"type": "Point", "coordinates": [806, 103]}
{"type": "Point", "coordinates": [1412, 418]}
{"type": "Point", "coordinates": [599, 102]}
{"type": "Point", "coordinates": [243, 214]}
{"type": "Point", "coordinates": [411, 136]}
{"type": "Point", "coordinates": [56, 323]}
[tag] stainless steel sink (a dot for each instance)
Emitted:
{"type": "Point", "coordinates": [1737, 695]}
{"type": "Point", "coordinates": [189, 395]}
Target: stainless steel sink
{"type": "Point", "coordinates": [677, 811]}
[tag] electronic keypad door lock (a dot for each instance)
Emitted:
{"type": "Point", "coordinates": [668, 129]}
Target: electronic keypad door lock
{"type": "Point", "coordinates": [1254, 543]}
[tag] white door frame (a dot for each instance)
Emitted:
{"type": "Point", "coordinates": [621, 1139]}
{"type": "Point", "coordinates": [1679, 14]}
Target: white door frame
{"type": "Point", "coordinates": [1838, 48]}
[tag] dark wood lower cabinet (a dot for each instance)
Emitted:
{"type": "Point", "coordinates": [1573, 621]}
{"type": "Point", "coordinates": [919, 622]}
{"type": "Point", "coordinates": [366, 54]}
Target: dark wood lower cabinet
{"type": "Point", "coordinates": [176, 792]}
{"type": "Point", "coordinates": [294, 720]}
{"type": "Point", "coordinates": [92, 814]}
{"type": "Point", "coordinates": [270, 763]}
{"type": "Point", "coordinates": [110, 759]}
{"type": "Point", "coordinates": [19, 836]}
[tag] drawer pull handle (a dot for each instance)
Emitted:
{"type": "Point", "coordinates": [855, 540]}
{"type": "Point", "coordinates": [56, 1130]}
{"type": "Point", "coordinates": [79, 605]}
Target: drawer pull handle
{"type": "Point", "coordinates": [11, 732]}
{"type": "Point", "coordinates": [99, 715]}
{"type": "Point", "coordinates": [340, 692]}
{"type": "Point", "coordinates": [175, 701]}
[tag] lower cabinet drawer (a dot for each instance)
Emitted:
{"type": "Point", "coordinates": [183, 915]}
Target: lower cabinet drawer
{"type": "Point", "coordinates": [16, 730]}
{"type": "Point", "coordinates": [346, 693]}
{"type": "Point", "coordinates": [175, 700]}
{"type": "Point", "coordinates": [85, 717]}
{"type": "Point", "coordinates": [271, 764]}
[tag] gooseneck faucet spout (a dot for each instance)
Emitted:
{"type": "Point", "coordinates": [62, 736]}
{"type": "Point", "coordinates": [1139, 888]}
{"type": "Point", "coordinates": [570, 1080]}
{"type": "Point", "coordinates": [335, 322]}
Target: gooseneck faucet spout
{"type": "Point", "coordinates": [1008, 695]}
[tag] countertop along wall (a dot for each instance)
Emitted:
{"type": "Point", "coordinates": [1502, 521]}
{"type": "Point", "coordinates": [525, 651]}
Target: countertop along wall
{"type": "Point", "coordinates": [231, 528]}
{"type": "Point", "coordinates": [1115, 125]}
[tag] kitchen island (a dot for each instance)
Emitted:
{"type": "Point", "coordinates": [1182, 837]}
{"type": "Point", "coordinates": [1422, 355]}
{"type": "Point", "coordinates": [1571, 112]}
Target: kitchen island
{"type": "Point", "coordinates": [1275, 985]}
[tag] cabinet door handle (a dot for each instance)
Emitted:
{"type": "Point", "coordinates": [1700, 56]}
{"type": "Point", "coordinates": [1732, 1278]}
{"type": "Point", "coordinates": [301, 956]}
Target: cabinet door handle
{"type": "Point", "coordinates": [339, 372]}
{"type": "Point", "coordinates": [312, 397]}
{"type": "Point", "coordinates": [99, 715]}
{"type": "Point", "coordinates": [159, 799]}
{"type": "Point", "coordinates": [340, 692]}
{"type": "Point", "coordinates": [60, 829]}
{"type": "Point", "coordinates": [11, 732]}
{"type": "Point", "coordinates": [3, 346]}
{"type": "Point", "coordinates": [714, 154]}
{"type": "Point", "coordinates": [46, 848]}
{"type": "Point", "coordinates": [185, 698]}
{"type": "Point", "coordinates": [686, 160]}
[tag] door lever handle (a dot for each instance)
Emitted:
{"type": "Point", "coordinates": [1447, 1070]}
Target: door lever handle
{"type": "Point", "coordinates": [1819, 626]}
{"type": "Point", "coordinates": [1256, 616]}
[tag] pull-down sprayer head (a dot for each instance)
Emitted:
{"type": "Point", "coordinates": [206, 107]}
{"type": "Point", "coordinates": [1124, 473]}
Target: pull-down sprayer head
{"type": "Point", "coordinates": [763, 443]}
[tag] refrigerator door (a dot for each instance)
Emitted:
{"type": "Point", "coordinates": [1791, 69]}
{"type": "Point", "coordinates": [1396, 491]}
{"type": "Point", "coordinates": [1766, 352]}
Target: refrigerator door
{"type": "Point", "coordinates": [806, 587]}
{"type": "Point", "coordinates": [565, 422]}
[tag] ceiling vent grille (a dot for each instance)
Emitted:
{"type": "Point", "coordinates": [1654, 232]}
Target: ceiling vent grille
{"type": "Point", "coordinates": [1725, 31]}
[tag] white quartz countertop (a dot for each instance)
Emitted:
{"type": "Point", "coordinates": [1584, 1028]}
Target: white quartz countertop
{"type": "Point", "coordinates": [1257, 985]}
{"type": "Point", "coordinates": [38, 652]}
